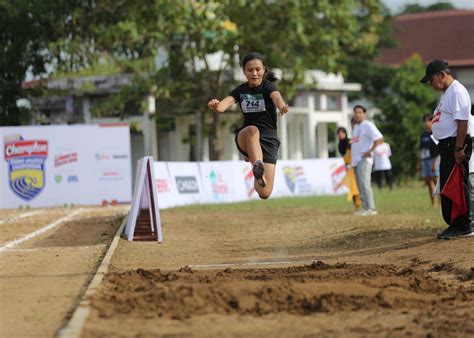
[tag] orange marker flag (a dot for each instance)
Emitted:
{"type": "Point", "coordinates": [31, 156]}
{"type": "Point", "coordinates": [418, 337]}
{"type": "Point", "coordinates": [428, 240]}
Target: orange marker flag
{"type": "Point", "coordinates": [454, 190]}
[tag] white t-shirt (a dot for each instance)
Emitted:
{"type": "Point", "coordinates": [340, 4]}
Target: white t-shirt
{"type": "Point", "coordinates": [455, 104]}
{"type": "Point", "coordinates": [363, 138]}
{"type": "Point", "coordinates": [382, 155]}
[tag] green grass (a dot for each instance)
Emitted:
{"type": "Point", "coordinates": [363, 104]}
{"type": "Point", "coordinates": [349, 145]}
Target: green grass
{"type": "Point", "coordinates": [412, 199]}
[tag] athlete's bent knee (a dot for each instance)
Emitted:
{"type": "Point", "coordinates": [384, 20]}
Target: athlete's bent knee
{"type": "Point", "coordinates": [252, 131]}
{"type": "Point", "coordinates": [264, 195]}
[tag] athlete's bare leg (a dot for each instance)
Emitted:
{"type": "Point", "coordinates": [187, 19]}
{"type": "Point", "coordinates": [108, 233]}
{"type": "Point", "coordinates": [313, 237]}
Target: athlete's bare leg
{"type": "Point", "coordinates": [265, 192]}
{"type": "Point", "coordinates": [249, 141]}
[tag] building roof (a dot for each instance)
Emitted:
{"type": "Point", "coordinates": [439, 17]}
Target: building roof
{"type": "Point", "coordinates": [445, 35]}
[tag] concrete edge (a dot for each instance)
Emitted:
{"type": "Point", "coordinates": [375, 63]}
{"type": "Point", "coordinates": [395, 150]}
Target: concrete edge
{"type": "Point", "coordinates": [73, 329]}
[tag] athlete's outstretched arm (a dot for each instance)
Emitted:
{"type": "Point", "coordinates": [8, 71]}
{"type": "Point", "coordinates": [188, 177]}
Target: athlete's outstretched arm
{"type": "Point", "coordinates": [221, 106]}
{"type": "Point", "coordinates": [279, 102]}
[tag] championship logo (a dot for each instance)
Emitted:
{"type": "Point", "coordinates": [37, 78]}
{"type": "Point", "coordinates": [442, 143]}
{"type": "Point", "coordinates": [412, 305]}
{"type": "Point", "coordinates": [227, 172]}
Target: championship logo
{"type": "Point", "coordinates": [296, 180]}
{"type": "Point", "coordinates": [218, 186]}
{"type": "Point", "coordinates": [26, 165]}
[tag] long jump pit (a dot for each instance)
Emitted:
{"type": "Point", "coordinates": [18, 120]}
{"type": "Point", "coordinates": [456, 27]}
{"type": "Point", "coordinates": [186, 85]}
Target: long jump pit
{"type": "Point", "coordinates": [287, 272]}
{"type": "Point", "coordinates": [295, 272]}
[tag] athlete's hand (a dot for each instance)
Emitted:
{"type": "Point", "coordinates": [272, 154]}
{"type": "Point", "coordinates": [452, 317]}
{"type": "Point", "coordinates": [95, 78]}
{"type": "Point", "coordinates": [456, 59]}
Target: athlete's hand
{"type": "Point", "coordinates": [213, 104]}
{"type": "Point", "coordinates": [283, 109]}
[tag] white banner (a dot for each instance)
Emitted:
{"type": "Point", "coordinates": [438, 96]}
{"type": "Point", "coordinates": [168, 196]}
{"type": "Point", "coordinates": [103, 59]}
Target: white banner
{"type": "Point", "coordinates": [43, 166]}
{"type": "Point", "coordinates": [183, 183]}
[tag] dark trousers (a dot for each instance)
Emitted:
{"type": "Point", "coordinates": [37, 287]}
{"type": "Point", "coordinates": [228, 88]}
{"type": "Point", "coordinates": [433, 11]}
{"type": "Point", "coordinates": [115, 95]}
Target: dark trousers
{"type": "Point", "coordinates": [378, 178]}
{"type": "Point", "coordinates": [446, 149]}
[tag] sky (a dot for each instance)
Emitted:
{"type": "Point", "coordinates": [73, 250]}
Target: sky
{"type": "Point", "coordinates": [396, 5]}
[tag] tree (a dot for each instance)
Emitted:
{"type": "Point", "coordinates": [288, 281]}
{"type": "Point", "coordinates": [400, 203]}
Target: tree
{"type": "Point", "coordinates": [403, 106]}
{"type": "Point", "coordinates": [300, 35]}
{"type": "Point", "coordinates": [23, 41]}
{"type": "Point", "coordinates": [417, 8]}
{"type": "Point", "coordinates": [65, 35]}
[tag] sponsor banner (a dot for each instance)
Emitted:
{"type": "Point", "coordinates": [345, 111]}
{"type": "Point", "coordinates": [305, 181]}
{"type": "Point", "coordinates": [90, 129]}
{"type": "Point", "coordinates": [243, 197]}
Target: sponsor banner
{"type": "Point", "coordinates": [44, 166]}
{"type": "Point", "coordinates": [183, 183]}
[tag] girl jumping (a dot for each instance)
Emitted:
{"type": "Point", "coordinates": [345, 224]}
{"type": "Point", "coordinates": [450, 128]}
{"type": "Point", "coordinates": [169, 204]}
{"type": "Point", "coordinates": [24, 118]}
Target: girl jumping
{"type": "Point", "coordinates": [257, 138]}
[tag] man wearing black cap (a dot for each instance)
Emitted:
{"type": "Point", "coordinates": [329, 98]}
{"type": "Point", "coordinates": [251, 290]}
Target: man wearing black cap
{"type": "Point", "coordinates": [450, 126]}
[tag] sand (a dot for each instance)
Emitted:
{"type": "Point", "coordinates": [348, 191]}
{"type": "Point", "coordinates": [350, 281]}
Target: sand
{"type": "Point", "coordinates": [288, 273]}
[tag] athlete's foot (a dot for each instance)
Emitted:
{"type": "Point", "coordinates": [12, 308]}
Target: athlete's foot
{"type": "Point", "coordinates": [258, 170]}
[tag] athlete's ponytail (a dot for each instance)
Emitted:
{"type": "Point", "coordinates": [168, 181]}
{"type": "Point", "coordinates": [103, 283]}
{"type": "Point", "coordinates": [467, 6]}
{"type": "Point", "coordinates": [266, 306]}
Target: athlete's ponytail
{"type": "Point", "coordinates": [268, 75]}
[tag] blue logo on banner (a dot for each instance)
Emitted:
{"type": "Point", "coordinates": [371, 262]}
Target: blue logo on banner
{"type": "Point", "coordinates": [26, 166]}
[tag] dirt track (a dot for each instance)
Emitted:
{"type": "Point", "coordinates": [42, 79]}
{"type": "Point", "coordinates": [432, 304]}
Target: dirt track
{"type": "Point", "coordinates": [41, 279]}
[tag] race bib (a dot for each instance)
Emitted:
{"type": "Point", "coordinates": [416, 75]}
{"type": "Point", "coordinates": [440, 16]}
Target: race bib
{"type": "Point", "coordinates": [252, 103]}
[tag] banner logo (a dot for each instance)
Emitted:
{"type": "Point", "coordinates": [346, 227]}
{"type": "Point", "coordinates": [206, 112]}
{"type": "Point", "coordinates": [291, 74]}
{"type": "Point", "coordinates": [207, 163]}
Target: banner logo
{"type": "Point", "coordinates": [26, 166]}
{"type": "Point", "coordinates": [62, 159]}
{"type": "Point", "coordinates": [187, 184]}
{"type": "Point", "coordinates": [218, 186]}
{"type": "Point", "coordinates": [162, 185]}
{"type": "Point", "coordinates": [295, 179]}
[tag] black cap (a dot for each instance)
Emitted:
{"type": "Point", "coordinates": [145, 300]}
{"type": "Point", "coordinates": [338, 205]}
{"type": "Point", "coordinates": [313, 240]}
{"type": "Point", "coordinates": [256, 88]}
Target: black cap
{"type": "Point", "coordinates": [433, 68]}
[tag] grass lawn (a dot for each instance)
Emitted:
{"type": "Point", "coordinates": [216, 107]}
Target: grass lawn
{"type": "Point", "coordinates": [409, 199]}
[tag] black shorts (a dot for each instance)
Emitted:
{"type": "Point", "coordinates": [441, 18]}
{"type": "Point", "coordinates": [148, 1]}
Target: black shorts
{"type": "Point", "coordinates": [269, 143]}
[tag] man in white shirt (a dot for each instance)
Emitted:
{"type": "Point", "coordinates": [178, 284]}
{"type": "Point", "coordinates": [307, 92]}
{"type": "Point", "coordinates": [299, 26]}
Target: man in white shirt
{"type": "Point", "coordinates": [365, 138]}
{"type": "Point", "coordinates": [382, 165]}
{"type": "Point", "coordinates": [450, 128]}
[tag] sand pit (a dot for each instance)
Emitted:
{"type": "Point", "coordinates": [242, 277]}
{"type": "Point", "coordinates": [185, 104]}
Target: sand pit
{"type": "Point", "coordinates": [188, 298]}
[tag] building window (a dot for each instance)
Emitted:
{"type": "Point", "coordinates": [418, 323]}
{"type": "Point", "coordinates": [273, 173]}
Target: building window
{"type": "Point", "coordinates": [300, 101]}
{"type": "Point", "coordinates": [333, 102]}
